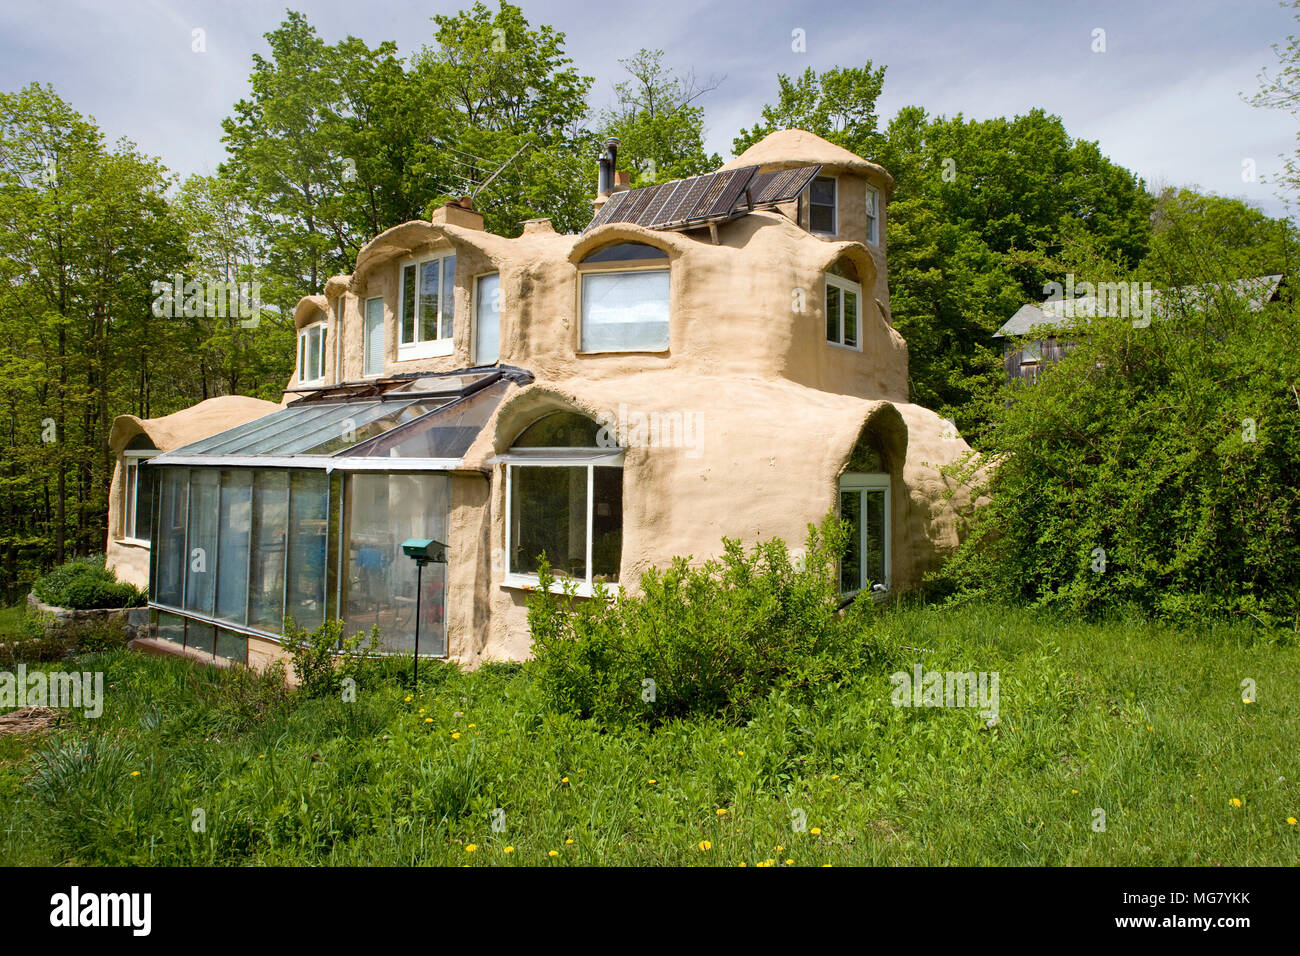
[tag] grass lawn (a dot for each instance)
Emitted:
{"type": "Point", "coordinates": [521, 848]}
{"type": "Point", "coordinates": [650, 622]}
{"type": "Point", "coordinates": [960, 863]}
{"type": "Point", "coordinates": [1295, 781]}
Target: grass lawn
{"type": "Point", "coordinates": [1142, 722]}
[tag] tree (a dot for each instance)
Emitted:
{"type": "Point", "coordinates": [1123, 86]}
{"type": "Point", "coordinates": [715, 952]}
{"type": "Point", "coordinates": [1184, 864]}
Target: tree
{"type": "Point", "coordinates": [838, 105]}
{"type": "Point", "coordinates": [659, 128]}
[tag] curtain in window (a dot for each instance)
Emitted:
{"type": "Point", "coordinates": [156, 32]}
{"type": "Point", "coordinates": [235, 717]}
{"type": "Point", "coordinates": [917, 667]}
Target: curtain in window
{"type": "Point", "coordinates": [374, 348]}
{"type": "Point", "coordinates": [625, 311]}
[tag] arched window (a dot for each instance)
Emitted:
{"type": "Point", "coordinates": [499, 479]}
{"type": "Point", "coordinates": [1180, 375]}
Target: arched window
{"type": "Point", "coordinates": [865, 505]}
{"type": "Point", "coordinates": [564, 499]}
{"type": "Point", "coordinates": [844, 305]}
{"type": "Point", "coordinates": [137, 489]}
{"type": "Point", "coordinates": [624, 291]}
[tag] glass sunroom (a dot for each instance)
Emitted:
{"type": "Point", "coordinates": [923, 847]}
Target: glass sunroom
{"type": "Point", "coordinates": [301, 514]}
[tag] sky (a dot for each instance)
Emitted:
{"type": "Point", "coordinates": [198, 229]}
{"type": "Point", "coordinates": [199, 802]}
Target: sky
{"type": "Point", "coordinates": [1164, 98]}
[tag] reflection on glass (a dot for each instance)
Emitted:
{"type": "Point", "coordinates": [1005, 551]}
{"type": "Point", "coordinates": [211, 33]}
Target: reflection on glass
{"type": "Point", "coordinates": [607, 524]}
{"type": "Point", "coordinates": [548, 513]}
{"type": "Point", "coordinates": [169, 548]}
{"type": "Point", "coordinates": [851, 566]}
{"type": "Point", "coordinates": [201, 562]}
{"type": "Point", "coordinates": [235, 525]}
{"type": "Point", "coordinates": [307, 534]}
{"type": "Point", "coordinates": [266, 572]}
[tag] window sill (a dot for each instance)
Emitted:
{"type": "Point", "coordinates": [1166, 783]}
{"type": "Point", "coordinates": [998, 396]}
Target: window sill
{"type": "Point", "coordinates": [529, 582]}
{"type": "Point", "coordinates": [662, 351]}
{"type": "Point", "coordinates": [312, 383]}
{"type": "Point", "coordinates": [846, 348]}
{"type": "Point", "coordinates": [437, 348]}
{"type": "Point", "coordinates": [132, 542]}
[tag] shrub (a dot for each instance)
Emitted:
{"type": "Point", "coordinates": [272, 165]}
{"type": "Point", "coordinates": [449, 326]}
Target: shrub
{"type": "Point", "coordinates": [323, 658]}
{"type": "Point", "coordinates": [713, 639]}
{"type": "Point", "coordinates": [85, 583]}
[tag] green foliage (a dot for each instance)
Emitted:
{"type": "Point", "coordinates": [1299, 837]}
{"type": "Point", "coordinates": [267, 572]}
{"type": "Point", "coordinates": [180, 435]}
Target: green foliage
{"type": "Point", "coordinates": [705, 640]}
{"type": "Point", "coordinates": [84, 583]}
{"type": "Point", "coordinates": [323, 658]}
{"type": "Point", "coordinates": [1170, 451]}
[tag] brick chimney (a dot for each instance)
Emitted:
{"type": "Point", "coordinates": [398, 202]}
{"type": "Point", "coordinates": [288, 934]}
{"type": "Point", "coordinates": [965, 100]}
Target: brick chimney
{"type": "Point", "coordinates": [458, 212]}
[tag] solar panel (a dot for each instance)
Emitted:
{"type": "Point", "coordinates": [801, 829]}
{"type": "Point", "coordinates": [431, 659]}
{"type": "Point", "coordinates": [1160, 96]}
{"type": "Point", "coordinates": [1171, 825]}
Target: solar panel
{"type": "Point", "coordinates": [783, 185]}
{"type": "Point", "coordinates": [680, 202]}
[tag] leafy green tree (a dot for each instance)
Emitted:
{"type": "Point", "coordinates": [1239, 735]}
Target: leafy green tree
{"type": "Point", "coordinates": [838, 105]}
{"type": "Point", "coordinates": [659, 128]}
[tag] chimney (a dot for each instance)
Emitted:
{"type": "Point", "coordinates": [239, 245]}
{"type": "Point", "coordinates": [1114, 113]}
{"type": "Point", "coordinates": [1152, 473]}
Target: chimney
{"type": "Point", "coordinates": [458, 212]}
{"type": "Point", "coordinates": [622, 180]}
{"type": "Point", "coordinates": [608, 163]}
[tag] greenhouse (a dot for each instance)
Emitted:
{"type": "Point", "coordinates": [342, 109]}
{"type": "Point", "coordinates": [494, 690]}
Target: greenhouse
{"type": "Point", "coordinates": [301, 514]}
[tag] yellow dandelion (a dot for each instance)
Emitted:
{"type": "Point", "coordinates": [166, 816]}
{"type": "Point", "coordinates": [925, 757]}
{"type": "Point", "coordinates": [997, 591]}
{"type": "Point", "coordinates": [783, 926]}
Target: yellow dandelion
{"type": "Point", "coordinates": [721, 811]}
{"type": "Point", "coordinates": [261, 756]}
{"type": "Point", "coordinates": [471, 847]}
{"type": "Point", "coordinates": [825, 865]}
{"type": "Point", "coordinates": [428, 720]}
{"type": "Point", "coordinates": [816, 831]}
{"type": "Point", "coordinates": [1247, 700]}
{"type": "Point", "coordinates": [553, 853]}
{"type": "Point", "coordinates": [835, 776]}
{"type": "Point", "coordinates": [1235, 802]}
{"type": "Point", "coordinates": [135, 773]}
{"type": "Point", "coordinates": [408, 699]}
{"type": "Point", "coordinates": [742, 863]}
{"type": "Point", "coordinates": [508, 849]}
{"type": "Point", "coordinates": [652, 780]}
{"type": "Point", "coordinates": [1291, 820]}
{"type": "Point", "coordinates": [705, 845]}
{"type": "Point", "coordinates": [1149, 727]}
{"type": "Point", "coordinates": [568, 843]}
{"type": "Point", "coordinates": [421, 710]}
{"type": "Point", "coordinates": [1074, 791]}
{"type": "Point", "coordinates": [740, 753]}
{"type": "Point", "coordinates": [789, 862]}
{"type": "Point", "coordinates": [564, 780]}
{"type": "Point", "coordinates": [472, 726]}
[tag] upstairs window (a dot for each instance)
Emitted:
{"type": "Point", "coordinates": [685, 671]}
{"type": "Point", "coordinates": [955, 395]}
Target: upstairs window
{"type": "Point", "coordinates": [137, 489]}
{"type": "Point", "coordinates": [564, 499]}
{"type": "Point", "coordinates": [427, 308]}
{"type": "Point", "coordinates": [311, 354]}
{"type": "Point", "coordinates": [843, 306]}
{"type": "Point", "coordinates": [821, 205]}
{"type": "Point", "coordinates": [373, 347]}
{"type": "Point", "coordinates": [624, 292]}
{"type": "Point", "coordinates": [873, 207]}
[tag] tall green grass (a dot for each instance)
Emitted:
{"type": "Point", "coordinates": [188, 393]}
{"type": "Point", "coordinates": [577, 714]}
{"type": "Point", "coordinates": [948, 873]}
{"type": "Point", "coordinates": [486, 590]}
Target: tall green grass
{"type": "Point", "coordinates": [1143, 722]}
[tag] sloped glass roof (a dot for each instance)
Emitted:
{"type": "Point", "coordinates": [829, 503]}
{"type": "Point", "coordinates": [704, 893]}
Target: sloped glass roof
{"type": "Point", "coordinates": [431, 418]}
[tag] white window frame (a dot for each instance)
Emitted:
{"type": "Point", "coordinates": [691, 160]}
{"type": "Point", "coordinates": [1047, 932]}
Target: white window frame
{"type": "Point", "coordinates": [835, 208]}
{"type": "Point", "coordinates": [365, 335]}
{"type": "Point", "coordinates": [304, 336]}
{"type": "Point", "coordinates": [613, 268]}
{"type": "Point", "coordinates": [873, 215]}
{"type": "Point", "coordinates": [424, 348]}
{"type": "Point", "coordinates": [845, 285]}
{"type": "Point", "coordinates": [870, 482]}
{"type": "Point", "coordinates": [130, 499]}
{"type": "Point", "coordinates": [473, 309]}
{"type": "Point", "coordinates": [528, 581]}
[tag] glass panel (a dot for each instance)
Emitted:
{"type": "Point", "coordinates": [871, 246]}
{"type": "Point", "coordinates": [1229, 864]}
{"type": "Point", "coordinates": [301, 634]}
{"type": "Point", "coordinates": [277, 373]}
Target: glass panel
{"type": "Point", "coordinates": [548, 513]}
{"type": "Point", "coordinates": [232, 646]}
{"type": "Point", "coordinates": [200, 636]}
{"type": "Point", "coordinates": [266, 575]}
{"type": "Point", "coordinates": [448, 295]}
{"type": "Point", "coordinates": [379, 585]}
{"type": "Point", "coordinates": [201, 562]}
{"type": "Point", "coordinates": [171, 628]}
{"type": "Point", "coordinates": [851, 566]}
{"type": "Point", "coordinates": [875, 536]}
{"type": "Point", "coordinates": [408, 305]}
{"type": "Point", "coordinates": [429, 273]}
{"type": "Point", "coordinates": [625, 311]}
{"type": "Point", "coordinates": [559, 430]}
{"type": "Point", "coordinates": [313, 354]}
{"type": "Point", "coordinates": [170, 543]}
{"type": "Point", "coordinates": [143, 500]}
{"type": "Point", "coordinates": [237, 440]}
{"type": "Point", "coordinates": [832, 313]}
{"type": "Point", "coordinates": [128, 498]}
{"type": "Point", "coordinates": [235, 526]}
{"type": "Point", "coordinates": [850, 318]}
{"type": "Point", "coordinates": [302, 356]}
{"type": "Point", "coordinates": [446, 433]}
{"type": "Point", "coordinates": [374, 348]}
{"type": "Point", "coordinates": [607, 525]}
{"type": "Point", "coordinates": [625, 251]}
{"type": "Point", "coordinates": [307, 527]}
{"type": "Point", "coordinates": [822, 191]}
{"type": "Point", "coordinates": [360, 423]}
{"type": "Point", "coordinates": [487, 320]}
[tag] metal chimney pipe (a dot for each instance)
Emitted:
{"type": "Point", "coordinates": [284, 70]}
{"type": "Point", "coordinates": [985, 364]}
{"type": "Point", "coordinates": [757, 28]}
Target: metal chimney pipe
{"type": "Point", "coordinates": [608, 163]}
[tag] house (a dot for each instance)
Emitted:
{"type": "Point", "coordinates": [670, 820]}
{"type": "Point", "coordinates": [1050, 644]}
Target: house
{"type": "Point", "coordinates": [1042, 333]}
{"type": "Point", "coordinates": [710, 357]}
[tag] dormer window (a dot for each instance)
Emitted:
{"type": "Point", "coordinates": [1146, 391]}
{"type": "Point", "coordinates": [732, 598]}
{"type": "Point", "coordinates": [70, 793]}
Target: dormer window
{"type": "Point", "coordinates": [427, 307]}
{"type": "Point", "coordinates": [821, 206]}
{"type": "Point", "coordinates": [137, 482]}
{"type": "Point", "coordinates": [311, 354]}
{"type": "Point", "coordinates": [843, 306]}
{"type": "Point", "coordinates": [873, 218]}
{"type": "Point", "coordinates": [623, 291]}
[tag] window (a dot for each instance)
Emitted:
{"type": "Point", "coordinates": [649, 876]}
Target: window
{"type": "Point", "coordinates": [137, 490]}
{"type": "Point", "coordinates": [843, 311]}
{"type": "Point", "coordinates": [821, 205]}
{"type": "Point", "coordinates": [873, 207]}
{"type": "Point", "coordinates": [373, 347]}
{"type": "Point", "coordinates": [564, 499]}
{"type": "Point", "coordinates": [487, 319]}
{"type": "Point", "coordinates": [624, 293]}
{"type": "Point", "coordinates": [311, 354]}
{"type": "Point", "coordinates": [428, 307]}
{"type": "Point", "coordinates": [864, 504]}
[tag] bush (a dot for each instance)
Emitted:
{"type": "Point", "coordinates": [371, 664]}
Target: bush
{"type": "Point", "coordinates": [323, 658]}
{"type": "Point", "coordinates": [85, 583]}
{"type": "Point", "coordinates": [708, 640]}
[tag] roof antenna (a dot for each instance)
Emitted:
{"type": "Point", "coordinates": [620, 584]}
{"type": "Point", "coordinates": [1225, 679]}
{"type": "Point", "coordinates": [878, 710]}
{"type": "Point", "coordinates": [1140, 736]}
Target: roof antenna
{"type": "Point", "coordinates": [500, 169]}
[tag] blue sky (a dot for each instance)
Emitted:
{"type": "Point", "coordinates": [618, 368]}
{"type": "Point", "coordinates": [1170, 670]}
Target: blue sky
{"type": "Point", "coordinates": [1164, 99]}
